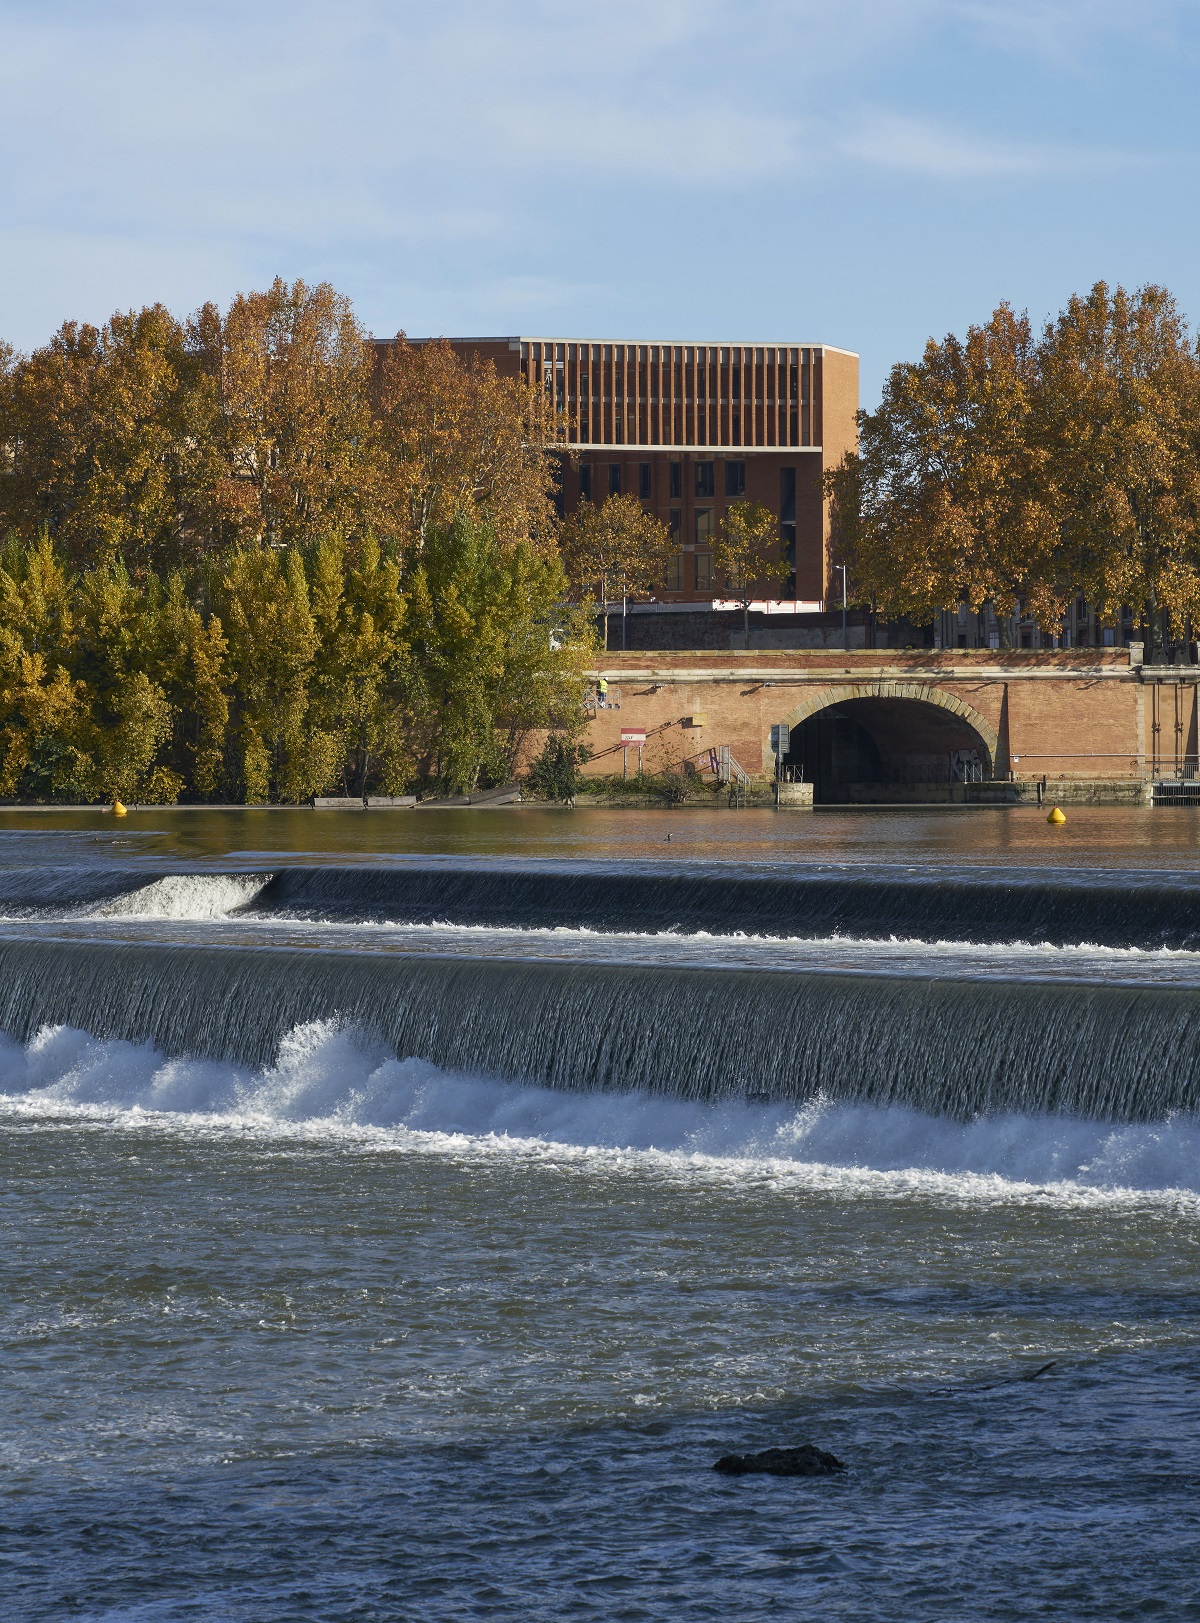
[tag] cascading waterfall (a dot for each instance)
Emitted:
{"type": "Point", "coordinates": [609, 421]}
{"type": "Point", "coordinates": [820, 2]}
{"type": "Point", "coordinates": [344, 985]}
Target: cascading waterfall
{"type": "Point", "coordinates": [955, 1048]}
{"type": "Point", "coordinates": [1117, 910]}
{"type": "Point", "coordinates": [1112, 910]}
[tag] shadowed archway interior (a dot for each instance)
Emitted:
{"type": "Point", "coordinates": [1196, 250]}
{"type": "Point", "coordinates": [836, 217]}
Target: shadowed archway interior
{"type": "Point", "coordinates": [885, 748]}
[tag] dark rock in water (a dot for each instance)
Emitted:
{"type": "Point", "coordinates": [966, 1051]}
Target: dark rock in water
{"type": "Point", "coordinates": [803, 1461]}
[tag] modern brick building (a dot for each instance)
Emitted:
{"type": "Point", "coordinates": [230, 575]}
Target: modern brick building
{"type": "Point", "coordinates": [687, 428]}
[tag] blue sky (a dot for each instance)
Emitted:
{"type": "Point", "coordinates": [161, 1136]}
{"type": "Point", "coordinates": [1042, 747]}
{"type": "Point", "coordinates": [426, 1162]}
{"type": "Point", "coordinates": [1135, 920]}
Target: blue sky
{"type": "Point", "coordinates": [855, 172]}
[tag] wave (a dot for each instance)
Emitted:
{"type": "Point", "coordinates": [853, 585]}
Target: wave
{"type": "Point", "coordinates": [195, 896]}
{"type": "Point", "coordinates": [328, 1083]}
{"type": "Point", "coordinates": [71, 892]}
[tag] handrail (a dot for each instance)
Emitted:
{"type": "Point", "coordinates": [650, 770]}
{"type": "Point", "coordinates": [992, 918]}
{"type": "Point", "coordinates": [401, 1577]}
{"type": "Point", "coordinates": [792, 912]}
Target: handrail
{"type": "Point", "coordinates": [729, 770]}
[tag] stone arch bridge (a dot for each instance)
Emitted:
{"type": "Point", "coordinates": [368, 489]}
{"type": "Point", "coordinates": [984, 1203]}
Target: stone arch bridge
{"type": "Point", "coordinates": [924, 725]}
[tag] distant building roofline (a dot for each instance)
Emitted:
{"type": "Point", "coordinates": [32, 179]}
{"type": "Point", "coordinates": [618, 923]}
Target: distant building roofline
{"type": "Point", "coordinates": [517, 339]}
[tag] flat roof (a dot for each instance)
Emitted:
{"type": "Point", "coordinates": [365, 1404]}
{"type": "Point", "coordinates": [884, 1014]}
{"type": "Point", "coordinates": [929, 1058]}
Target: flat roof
{"type": "Point", "coordinates": [680, 343]}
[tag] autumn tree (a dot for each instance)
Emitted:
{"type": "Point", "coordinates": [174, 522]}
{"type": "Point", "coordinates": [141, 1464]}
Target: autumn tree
{"type": "Point", "coordinates": [615, 549]}
{"type": "Point", "coordinates": [945, 500]}
{"type": "Point", "coordinates": [110, 436]}
{"type": "Point", "coordinates": [460, 442]}
{"type": "Point", "coordinates": [749, 555]}
{"type": "Point", "coordinates": [1119, 433]}
{"type": "Point", "coordinates": [295, 430]}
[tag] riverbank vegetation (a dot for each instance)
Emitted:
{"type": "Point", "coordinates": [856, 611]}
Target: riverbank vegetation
{"type": "Point", "coordinates": [1020, 470]}
{"type": "Point", "coordinates": [249, 557]}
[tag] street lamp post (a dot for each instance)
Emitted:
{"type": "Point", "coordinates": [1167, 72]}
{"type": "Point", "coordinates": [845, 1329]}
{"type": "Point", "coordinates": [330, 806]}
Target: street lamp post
{"type": "Point", "coordinates": [845, 633]}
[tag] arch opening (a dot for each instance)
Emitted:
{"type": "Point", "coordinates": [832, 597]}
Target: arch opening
{"type": "Point", "coordinates": [858, 749]}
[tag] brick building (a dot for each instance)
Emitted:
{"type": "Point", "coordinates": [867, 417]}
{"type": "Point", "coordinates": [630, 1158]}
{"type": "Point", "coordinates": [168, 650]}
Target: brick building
{"type": "Point", "coordinates": [687, 428]}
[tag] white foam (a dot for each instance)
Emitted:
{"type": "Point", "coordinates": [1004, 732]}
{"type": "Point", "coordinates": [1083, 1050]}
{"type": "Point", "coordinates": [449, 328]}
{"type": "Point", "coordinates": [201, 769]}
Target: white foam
{"type": "Point", "coordinates": [327, 1084]}
{"type": "Point", "coordinates": [184, 896]}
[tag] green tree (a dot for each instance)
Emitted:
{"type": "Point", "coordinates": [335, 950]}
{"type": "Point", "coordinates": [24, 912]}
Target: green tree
{"type": "Point", "coordinates": [131, 725]}
{"type": "Point", "coordinates": [356, 696]}
{"type": "Point", "coordinates": [186, 655]}
{"type": "Point", "coordinates": [42, 707]}
{"type": "Point", "coordinates": [554, 775]}
{"type": "Point", "coordinates": [262, 599]}
{"type": "Point", "coordinates": [494, 656]}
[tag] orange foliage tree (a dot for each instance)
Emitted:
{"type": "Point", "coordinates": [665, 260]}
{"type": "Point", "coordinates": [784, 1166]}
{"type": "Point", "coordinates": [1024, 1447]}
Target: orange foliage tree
{"type": "Point", "coordinates": [1018, 472]}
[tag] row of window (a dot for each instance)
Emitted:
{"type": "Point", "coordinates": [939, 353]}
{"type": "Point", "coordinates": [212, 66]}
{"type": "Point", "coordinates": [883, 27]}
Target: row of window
{"type": "Point", "coordinates": [703, 518]}
{"type": "Point", "coordinates": [705, 479]}
{"type": "Point", "coordinates": [779, 427]}
{"type": "Point", "coordinates": [702, 572]}
{"type": "Point", "coordinates": [663, 354]}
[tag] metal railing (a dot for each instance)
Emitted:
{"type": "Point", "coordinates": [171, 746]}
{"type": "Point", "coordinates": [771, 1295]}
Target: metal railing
{"type": "Point", "coordinates": [725, 768]}
{"type": "Point", "coordinates": [595, 701]}
{"type": "Point", "coordinates": [1175, 792]}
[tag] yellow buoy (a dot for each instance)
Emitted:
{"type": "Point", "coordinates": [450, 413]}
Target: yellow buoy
{"type": "Point", "coordinates": [118, 809]}
{"type": "Point", "coordinates": [1056, 816]}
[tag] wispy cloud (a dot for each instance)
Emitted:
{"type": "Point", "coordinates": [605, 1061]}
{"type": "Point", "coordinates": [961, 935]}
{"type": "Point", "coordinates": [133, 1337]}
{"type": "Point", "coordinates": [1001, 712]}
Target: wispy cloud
{"type": "Point", "coordinates": [1072, 34]}
{"type": "Point", "coordinates": [919, 146]}
{"type": "Point", "coordinates": [501, 155]}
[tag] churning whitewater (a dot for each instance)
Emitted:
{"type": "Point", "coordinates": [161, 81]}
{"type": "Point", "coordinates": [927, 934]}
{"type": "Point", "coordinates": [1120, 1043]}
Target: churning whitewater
{"type": "Point", "coordinates": [326, 1084]}
{"type": "Point", "coordinates": [224, 966]}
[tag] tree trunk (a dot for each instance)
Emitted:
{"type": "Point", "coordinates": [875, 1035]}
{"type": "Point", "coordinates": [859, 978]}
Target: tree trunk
{"type": "Point", "coordinates": [1154, 637]}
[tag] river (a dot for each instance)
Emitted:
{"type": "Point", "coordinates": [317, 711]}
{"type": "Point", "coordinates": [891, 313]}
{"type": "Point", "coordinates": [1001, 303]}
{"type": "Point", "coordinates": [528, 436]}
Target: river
{"type": "Point", "coordinates": [403, 1211]}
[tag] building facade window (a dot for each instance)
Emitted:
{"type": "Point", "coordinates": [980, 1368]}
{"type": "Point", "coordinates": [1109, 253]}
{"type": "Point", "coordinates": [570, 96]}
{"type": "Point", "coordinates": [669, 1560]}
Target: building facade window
{"type": "Point", "coordinates": [704, 479]}
{"type": "Point", "coordinates": [645, 487]}
{"type": "Point", "coordinates": [676, 480]}
{"type": "Point", "coordinates": [673, 580]}
{"type": "Point", "coordinates": [675, 525]}
{"type": "Point", "coordinates": [704, 526]}
{"type": "Point", "coordinates": [787, 513]}
{"type": "Point", "coordinates": [703, 571]}
{"type": "Point", "coordinates": [735, 478]}
{"type": "Point", "coordinates": [614, 479]}
{"type": "Point", "coordinates": [585, 481]}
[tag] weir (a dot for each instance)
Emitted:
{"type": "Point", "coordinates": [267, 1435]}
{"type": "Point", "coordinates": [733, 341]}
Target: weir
{"type": "Point", "coordinates": [955, 1048]}
{"type": "Point", "coordinates": [1146, 910]}
{"type": "Point", "coordinates": [30, 891]}
{"type": "Point", "coordinates": [1123, 910]}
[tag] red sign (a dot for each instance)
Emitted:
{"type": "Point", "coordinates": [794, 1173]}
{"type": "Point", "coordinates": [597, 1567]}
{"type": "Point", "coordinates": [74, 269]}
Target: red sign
{"type": "Point", "coordinates": [630, 735]}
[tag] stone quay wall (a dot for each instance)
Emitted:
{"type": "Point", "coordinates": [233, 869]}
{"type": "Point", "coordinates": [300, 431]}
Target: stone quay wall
{"type": "Point", "coordinates": [1072, 716]}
